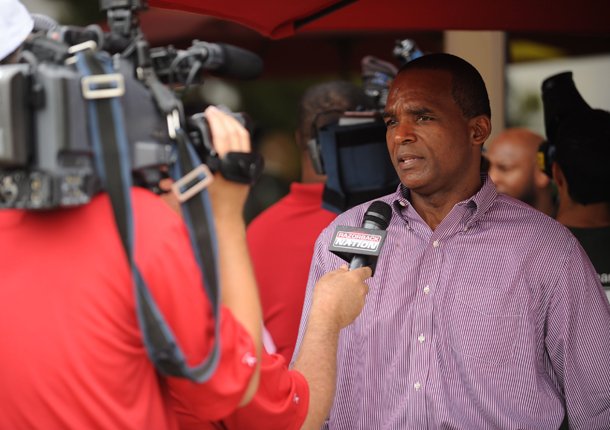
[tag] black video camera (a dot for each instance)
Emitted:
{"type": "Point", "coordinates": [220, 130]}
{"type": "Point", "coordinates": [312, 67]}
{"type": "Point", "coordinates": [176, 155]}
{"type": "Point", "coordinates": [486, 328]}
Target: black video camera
{"type": "Point", "coordinates": [561, 101]}
{"type": "Point", "coordinates": [46, 156]}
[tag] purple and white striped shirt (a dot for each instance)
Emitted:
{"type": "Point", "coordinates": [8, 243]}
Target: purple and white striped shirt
{"type": "Point", "coordinates": [495, 320]}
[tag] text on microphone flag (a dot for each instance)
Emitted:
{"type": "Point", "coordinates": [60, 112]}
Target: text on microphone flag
{"type": "Point", "coordinates": [350, 240]}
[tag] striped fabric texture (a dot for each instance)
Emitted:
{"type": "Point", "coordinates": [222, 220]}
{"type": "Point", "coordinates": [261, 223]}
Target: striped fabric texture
{"type": "Point", "coordinates": [495, 320]}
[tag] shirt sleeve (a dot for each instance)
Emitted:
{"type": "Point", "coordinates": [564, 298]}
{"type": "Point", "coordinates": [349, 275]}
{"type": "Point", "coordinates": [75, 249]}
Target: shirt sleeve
{"type": "Point", "coordinates": [281, 402]}
{"type": "Point", "coordinates": [194, 403]}
{"type": "Point", "coordinates": [578, 342]}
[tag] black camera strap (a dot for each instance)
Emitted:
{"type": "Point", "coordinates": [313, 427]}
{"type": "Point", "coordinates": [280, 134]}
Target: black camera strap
{"type": "Point", "coordinates": [102, 89]}
{"type": "Point", "coordinates": [190, 179]}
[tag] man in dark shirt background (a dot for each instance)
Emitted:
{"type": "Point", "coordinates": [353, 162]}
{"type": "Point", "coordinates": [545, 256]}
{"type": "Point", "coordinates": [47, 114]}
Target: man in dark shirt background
{"type": "Point", "coordinates": [582, 172]}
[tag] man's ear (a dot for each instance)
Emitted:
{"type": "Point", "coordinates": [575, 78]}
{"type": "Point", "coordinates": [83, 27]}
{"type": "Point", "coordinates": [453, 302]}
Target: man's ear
{"type": "Point", "coordinates": [558, 177]}
{"type": "Point", "coordinates": [480, 129]}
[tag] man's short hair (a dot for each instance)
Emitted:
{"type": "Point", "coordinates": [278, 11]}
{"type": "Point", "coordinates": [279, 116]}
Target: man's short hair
{"type": "Point", "coordinates": [582, 145]}
{"type": "Point", "coordinates": [467, 85]}
{"type": "Point", "coordinates": [329, 96]}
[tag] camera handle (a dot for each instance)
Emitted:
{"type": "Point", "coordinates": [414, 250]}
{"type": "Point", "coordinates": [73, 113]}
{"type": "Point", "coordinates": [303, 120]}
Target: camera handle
{"type": "Point", "coordinates": [122, 16]}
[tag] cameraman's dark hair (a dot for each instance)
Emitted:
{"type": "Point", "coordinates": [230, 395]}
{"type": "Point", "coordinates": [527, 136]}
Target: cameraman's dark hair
{"type": "Point", "coordinates": [327, 97]}
{"type": "Point", "coordinates": [467, 86]}
{"type": "Point", "coordinates": [583, 152]}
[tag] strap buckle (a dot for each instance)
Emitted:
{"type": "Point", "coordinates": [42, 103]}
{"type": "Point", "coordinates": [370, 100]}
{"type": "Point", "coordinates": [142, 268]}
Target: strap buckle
{"type": "Point", "coordinates": [113, 86]}
{"type": "Point", "coordinates": [173, 123]}
{"type": "Point", "coordinates": [88, 44]}
{"type": "Point", "coordinates": [188, 182]}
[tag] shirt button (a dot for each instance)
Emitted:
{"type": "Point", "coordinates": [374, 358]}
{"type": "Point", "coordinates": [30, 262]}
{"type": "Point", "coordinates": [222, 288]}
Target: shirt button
{"type": "Point", "coordinates": [402, 203]}
{"type": "Point", "coordinates": [427, 289]}
{"type": "Point", "coordinates": [417, 386]}
{"type": "Point", "coordinates": [421, 338]}
{"type": "Point", "coordinates": [436, 244]}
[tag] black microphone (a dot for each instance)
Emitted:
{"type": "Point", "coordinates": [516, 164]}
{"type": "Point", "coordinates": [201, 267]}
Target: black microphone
{"type": "Point", "coordinates": [361, 246]}
{"type": "Point", "coordinates": [376, 217]}
{"type": "Point", "coordinates": [227, 60]}
{"type": "Point", "coordinates": [68, 34]}
{"type": "Point", "coordinates": [43, 22]}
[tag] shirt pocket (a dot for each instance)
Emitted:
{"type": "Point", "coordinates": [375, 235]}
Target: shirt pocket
{"type": "Point", "coordinates": [484, 322]}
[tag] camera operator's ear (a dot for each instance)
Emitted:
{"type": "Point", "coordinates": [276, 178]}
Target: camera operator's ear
{"type": "Point", "coordinates": [546, 157]}
{"type": "Point", "coordinates": [558, 175]}
{"type": "Point", "coordinates": [315, 152]}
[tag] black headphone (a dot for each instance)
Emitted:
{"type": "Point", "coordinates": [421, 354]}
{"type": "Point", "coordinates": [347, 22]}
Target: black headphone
{"type": "Point", "coordinates": [313, 148]}
{"type": "Point", "coordinates": [313, 144]}
{"type": "Point", "coordinates": [545, 157]}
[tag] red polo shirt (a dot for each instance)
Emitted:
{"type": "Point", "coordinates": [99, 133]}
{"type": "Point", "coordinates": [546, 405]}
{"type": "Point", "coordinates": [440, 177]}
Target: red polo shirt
{"type": "Point", "coordinates": [281, 241]}
{"type": "Point", "coordinates": [72, 352]}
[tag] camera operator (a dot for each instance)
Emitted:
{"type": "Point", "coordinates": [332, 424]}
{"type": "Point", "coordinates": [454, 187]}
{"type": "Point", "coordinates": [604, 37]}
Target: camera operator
{"type": "Point", "coordinates": [582, 176]}
{"type": "Point", "coordinates": [74, 354]}
{"type": "Point", "coordinates": [576, 155]}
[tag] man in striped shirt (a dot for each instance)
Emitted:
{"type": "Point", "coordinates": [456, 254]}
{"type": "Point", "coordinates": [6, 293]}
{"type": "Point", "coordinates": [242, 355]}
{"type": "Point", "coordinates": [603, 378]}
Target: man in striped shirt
{"type": "Point", "coordinates": [483, 313]}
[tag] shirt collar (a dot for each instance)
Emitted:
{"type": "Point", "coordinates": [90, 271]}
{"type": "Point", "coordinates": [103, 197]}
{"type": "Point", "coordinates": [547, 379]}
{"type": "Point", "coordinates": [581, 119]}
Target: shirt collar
{"type": "Point", "coordinates": [478, 204]}
{"type": "Point", "coordinates": [482, 199]}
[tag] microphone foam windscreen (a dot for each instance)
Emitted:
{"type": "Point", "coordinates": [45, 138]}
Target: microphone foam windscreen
{"type": "Point", "coordinates": [380, 213]}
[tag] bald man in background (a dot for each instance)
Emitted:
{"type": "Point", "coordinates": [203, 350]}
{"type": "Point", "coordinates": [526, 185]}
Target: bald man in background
{"type": "Point", "coordinates": [512, 156]}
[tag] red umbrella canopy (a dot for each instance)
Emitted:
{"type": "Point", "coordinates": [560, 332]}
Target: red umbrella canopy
{"type": "Point", "coordinates": [281, 18]}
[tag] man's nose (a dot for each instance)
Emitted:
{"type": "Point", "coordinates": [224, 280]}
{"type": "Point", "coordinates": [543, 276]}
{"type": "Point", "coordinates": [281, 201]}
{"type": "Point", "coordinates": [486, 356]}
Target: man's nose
{"type": "Point", "coordinates": [404, 133]}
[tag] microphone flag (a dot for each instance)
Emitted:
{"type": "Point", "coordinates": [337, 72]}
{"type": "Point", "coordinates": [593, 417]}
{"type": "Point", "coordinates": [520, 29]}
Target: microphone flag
{"type": "Point", "coordinates": [349, 241]}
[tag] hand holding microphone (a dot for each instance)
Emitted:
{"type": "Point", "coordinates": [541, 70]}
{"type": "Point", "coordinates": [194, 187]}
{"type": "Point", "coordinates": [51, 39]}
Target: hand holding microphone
{"type": "Point", "coordinates": [339, 297]}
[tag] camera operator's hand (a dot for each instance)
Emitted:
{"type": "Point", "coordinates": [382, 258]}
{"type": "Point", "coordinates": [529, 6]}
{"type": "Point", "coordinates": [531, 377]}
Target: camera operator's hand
{"type": "Point", "coordinates": [228, 197]}
{"type": "Point", "coordinates": [239, 292]}
{"type": "Point", "coordinates": [239, 289]}
{"type": "Point", "coordinates": [228, 135]}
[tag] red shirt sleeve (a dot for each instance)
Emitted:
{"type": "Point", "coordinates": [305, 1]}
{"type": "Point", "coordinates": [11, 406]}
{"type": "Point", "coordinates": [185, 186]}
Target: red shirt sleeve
{"type": "Point", "coordinates": [281, 402]}
{"type": "Point", "coordinates": [195, 404]}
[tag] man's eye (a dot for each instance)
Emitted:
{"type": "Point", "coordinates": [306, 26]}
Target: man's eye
{"type": "Point", "coordinates": [423, 118]}
{"type": "Point", "coordinates": [389, 122]}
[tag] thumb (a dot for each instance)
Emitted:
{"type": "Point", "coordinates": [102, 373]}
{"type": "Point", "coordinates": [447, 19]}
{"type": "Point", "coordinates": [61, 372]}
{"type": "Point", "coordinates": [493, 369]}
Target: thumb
{"type": "Point", "coordinates": [363, 272]}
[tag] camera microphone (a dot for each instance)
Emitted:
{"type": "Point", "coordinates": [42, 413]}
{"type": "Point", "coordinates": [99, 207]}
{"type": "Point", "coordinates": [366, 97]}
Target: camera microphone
{"type": "Point", "coordinates": [227, 60]}
{"type": "Point", "coordinates": [67, 34]}
{"type": "Point", "coordinates": [43, 22]}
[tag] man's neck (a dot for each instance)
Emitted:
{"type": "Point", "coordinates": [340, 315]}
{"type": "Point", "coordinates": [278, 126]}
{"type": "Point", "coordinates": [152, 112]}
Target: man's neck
{"type": "Point", "coordinates": [572, 214]}
{"type": "Point", "coordinates": [434, 208]}
{"type": "Point", "coordinates": [543, 201]}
